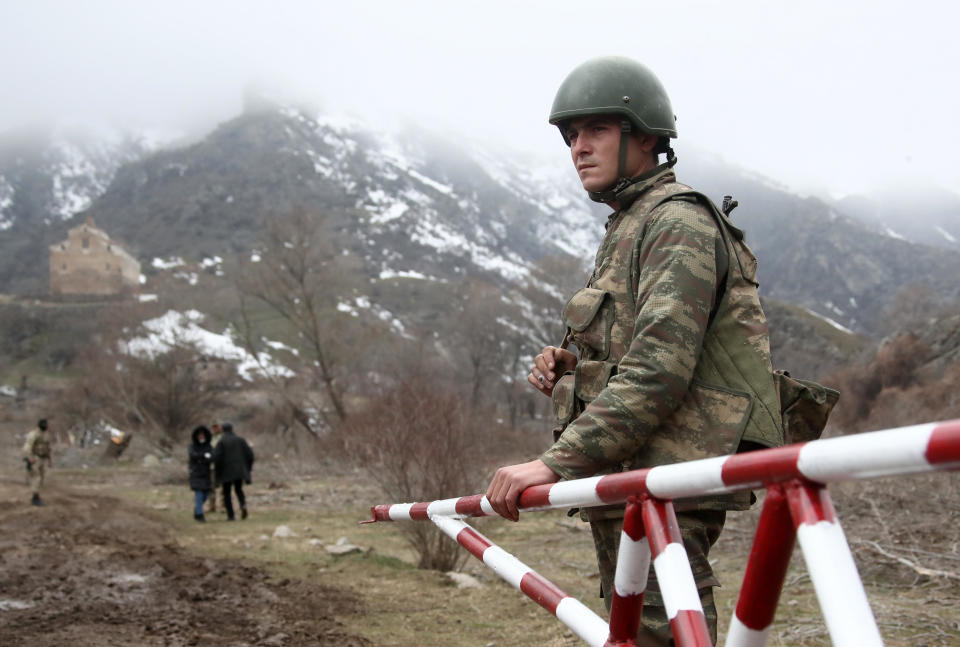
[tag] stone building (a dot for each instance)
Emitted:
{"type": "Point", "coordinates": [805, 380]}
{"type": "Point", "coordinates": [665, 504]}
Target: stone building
{"type": "Point", "coordinates": [88, 262]}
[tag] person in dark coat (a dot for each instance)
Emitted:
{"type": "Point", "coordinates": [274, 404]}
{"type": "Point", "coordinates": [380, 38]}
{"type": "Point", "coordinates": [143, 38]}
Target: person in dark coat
{"type": "Point", "coordinates": [233, 460]}
{"type": "Point", "coordinates": [201, 454]}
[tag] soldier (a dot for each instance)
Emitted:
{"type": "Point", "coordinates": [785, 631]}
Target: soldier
{"type": "Point", "coordinates": [38, 456]}
{"type": "Point", "coordinates": [674, 357]}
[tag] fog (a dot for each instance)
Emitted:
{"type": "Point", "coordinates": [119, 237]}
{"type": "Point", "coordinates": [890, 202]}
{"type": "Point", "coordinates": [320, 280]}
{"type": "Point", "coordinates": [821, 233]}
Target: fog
{"type": "Point", "coordinates": [822, 96]}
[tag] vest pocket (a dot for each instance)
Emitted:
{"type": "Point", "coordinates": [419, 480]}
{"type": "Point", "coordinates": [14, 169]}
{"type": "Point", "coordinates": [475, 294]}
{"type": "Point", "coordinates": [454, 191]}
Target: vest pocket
{"type": "Point", "coordinates": [592, 377]}
{"type": "Point", "coordinates": [589, 315]}
{"type": "Point", "coordinates": [804, 406]}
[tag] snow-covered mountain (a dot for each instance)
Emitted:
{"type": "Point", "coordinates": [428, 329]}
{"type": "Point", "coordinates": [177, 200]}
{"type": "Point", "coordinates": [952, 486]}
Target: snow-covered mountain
{"type": "Point", "coordinates": [419, 214]}
{"type": "Point", "coordinates": [53, 175]}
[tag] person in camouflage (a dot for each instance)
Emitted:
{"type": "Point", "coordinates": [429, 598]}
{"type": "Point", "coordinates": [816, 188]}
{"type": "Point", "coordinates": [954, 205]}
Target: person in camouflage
{"type": "Point", "coordinates": [674, 355]}
{"type": "Point", "coordinates": [38, 456]}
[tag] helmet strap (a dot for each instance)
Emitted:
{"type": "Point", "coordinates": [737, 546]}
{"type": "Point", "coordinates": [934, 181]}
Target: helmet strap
{"type": "Point", "coordinates": [625, 128]}
{"type": "Point", "coordinates": [623, 180]}
{"type": "Point", "coordinates": [610, 195]}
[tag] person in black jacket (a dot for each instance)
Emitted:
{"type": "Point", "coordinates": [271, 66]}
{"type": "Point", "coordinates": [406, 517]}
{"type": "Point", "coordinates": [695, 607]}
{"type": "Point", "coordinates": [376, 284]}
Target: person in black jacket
{"type": "Point", "coordinates": [200, 453]}
{"type": "Point", "coordinates": [233, 460]}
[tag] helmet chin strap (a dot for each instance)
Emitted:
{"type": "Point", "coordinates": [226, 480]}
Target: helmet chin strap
{"type": "Point", "coordinates": [623, 180]}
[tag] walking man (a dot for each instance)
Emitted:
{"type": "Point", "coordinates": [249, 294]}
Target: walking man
{"type": "Point", "coordinates": [674, 356]}
{"type": "Point", "coordinates": [233, 462]}
{"type": "Point", "coordinates": [37, 457]}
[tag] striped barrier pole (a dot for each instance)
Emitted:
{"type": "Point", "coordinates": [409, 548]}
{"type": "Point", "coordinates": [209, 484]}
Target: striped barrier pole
{"type": "Point", "coordinates": [630, 578]}
{"type": "Point", "coordinates": [765, 574]}
{"type": "Point", "coordinates": [681, 599]}
{"type": "Point", "coordinates": [570, 611]}
{"type": "Point", "coordinates": [833, 572]}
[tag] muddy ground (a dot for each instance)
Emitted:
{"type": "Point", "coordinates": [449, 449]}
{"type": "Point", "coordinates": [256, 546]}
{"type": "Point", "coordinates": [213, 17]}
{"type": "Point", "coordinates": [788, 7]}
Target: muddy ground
{"type": "Point", "coordinates": [115, 558]}
{"type": "Point", "coordinates": [89, 569]}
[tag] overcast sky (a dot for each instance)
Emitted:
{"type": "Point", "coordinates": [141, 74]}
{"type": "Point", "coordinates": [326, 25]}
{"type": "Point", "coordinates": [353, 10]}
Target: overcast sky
{"type": "Point", "coordinates": [822, 96]}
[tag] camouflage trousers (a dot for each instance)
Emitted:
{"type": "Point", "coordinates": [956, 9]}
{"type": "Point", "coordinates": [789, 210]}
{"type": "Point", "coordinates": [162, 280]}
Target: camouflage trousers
{"type": "Point", "coordinates": [37, 474]}
{"type": "Point", "coordinates": [700, 530]}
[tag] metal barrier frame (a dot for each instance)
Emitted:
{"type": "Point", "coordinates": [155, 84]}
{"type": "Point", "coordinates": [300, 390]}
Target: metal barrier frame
{"type": "Point", "coordinates": [797, 508]}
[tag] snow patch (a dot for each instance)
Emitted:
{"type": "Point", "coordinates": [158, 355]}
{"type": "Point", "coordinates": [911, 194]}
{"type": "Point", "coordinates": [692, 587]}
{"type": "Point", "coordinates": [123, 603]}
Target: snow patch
{"type": "Point", "coordinates": [183, 328]}
{"type": "Point", "coordinates": [161, 264]}
{"type": "Point", "coordinates": [6, 201]}
{"type": "Point", "coordinates": [892, 234]}
{"type": "Point", "coordinates": [946, 234]}
{"type": "Point", "coordinates": [404, 274]}
{"type": "Point", "coordinates": [442, 188]}
{"type": "Point", "coordinates": [830, 321]}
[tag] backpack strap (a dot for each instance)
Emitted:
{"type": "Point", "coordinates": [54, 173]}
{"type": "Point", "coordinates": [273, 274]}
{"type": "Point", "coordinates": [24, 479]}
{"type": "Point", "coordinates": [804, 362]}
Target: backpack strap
{"type": "Point", "coordinates": [722, 253]}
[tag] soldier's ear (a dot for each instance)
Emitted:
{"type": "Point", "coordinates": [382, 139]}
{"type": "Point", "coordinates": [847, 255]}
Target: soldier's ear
{"type": "Point", "coordinates": [647, 142]}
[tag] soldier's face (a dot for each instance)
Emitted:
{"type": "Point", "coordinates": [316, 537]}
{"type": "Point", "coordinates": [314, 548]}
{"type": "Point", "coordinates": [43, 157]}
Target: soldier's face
{"type": "Point", "coordinates": [595, 149]}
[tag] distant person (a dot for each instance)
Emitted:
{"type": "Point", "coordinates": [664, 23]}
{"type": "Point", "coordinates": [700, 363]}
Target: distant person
{"type": "Point", "coordinates": [38, 456]}
{"type": "Point", "coordinates": [201, 455]}
{"type": "Point", "coordinates": [233, 461]}
{"type": "Point", "coordinates": [214, 441]}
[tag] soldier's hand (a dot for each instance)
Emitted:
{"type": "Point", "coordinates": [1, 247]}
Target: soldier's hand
{"type": "Point", "coordinates": [509, 482]}
{"type": "Point", "coordinates": [548, 366]}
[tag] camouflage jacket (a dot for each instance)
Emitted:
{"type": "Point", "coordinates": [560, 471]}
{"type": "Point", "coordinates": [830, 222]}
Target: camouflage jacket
{"type": "Point", "coordinates": [671, 368]}
{"type": "Point", "coordinates": [37, 444]}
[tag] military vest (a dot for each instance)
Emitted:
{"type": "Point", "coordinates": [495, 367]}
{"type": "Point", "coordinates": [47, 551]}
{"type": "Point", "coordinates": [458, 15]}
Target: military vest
{"type": "Point", "coordinates": [41, 445]}
{"type": "Point", "coordinates": [732, 400]}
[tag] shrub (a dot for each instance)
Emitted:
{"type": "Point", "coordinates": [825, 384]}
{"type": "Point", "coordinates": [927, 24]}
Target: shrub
{"type": "Point", "coordinates": [419, 442]}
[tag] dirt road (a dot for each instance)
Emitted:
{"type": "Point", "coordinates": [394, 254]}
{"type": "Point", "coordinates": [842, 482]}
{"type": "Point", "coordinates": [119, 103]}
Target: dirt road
{"type": "Point", "coordinates": [88, 569]}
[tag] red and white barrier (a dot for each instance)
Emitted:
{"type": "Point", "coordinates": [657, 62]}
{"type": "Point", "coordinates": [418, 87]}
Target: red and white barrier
{"type": "Point", "coordinates": [797, 508]}
{"type": "Point", "coordinates": [584, 622]}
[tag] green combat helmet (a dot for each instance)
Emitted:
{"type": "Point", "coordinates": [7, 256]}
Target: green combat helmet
{"type": "Point", "coordinates": [619, 86]}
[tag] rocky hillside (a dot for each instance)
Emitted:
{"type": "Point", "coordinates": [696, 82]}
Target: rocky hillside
{"type": "Point", "coordinates": [815, 256]}
{"type": "Point", "coordinates": [925, 215]}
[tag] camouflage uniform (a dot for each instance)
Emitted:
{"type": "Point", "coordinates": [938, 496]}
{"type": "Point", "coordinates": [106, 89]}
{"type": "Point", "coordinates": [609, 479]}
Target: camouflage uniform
{"type": "Point", "coordinates": [38, 446]}
{"type": "Point", "coordinates": [674, 364]}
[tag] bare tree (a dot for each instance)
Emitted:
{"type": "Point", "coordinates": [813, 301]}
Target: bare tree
{"type": "Point", "coordinates": [298, 290]}
{"type": "Point", "coordinates": [161, 393]}
{"type": "Point", "coordinates": [476, 335]}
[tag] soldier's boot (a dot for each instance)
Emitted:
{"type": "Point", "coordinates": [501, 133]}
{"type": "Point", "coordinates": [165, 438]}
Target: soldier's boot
{"type": "Point", "coordinates": [36, 500]}
{"type": "Point", "coordinates": [243, 512]}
